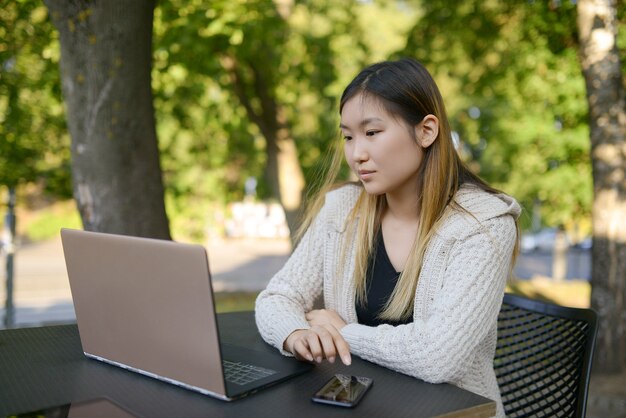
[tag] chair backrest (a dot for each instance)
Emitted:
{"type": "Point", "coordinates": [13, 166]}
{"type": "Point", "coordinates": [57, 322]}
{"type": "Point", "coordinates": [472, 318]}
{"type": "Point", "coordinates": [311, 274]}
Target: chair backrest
{"type": "Point", "coordinates": [543, 357]}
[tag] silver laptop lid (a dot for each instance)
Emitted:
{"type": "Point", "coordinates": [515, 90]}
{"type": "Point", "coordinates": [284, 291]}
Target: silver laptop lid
{"type": "Point", "coordinates": [147, 305]}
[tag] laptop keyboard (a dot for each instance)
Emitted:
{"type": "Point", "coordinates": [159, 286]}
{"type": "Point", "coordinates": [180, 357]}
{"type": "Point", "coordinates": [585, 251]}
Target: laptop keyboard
{"type": "Point", "coordinates": [242, 373]}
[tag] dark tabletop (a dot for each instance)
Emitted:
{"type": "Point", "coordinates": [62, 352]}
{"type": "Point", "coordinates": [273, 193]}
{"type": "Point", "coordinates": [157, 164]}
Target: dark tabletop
{"type": "Point", "coordinates": [45, 367]}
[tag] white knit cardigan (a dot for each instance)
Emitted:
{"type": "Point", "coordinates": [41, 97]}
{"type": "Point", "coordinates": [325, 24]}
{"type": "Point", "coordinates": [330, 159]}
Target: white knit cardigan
{"type": "Point", "coordinates": [459, 293]}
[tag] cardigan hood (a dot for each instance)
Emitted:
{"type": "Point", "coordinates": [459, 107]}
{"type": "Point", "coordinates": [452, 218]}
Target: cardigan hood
{"type": "Point", "coordinates": [478, 206]}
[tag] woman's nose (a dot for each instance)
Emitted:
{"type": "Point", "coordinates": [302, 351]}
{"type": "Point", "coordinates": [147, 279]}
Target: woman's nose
{"type": "Point", "coordinates": [359, 151]}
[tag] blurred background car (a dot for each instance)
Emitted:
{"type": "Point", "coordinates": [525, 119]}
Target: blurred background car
{"type": "Point", "coordinates": [542, 240]}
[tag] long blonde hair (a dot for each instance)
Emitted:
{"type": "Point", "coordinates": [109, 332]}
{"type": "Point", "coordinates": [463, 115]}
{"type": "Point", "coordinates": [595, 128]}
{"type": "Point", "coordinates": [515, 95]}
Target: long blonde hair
{"type": "Point", "coordinates": [406, 91]}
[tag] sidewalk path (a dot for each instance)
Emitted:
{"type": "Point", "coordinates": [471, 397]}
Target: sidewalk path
{"type": "Point", "coordinates": [42, 293]}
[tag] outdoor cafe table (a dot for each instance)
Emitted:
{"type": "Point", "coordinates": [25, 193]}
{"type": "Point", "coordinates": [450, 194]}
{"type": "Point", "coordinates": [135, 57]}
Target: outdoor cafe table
{"type": "Point", "coordinates": [45, 367]}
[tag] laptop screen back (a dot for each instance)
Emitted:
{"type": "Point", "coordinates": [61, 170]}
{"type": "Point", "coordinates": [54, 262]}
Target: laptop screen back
{"type": "Point", "coordinates": [145, 304]}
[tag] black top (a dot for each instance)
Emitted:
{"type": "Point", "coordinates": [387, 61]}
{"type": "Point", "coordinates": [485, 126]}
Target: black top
{"type": "Point", "coordinates": [381, 280]}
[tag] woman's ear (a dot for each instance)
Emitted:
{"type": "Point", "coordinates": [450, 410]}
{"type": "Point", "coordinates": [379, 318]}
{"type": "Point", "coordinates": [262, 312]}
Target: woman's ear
{"type": "Point", "coordinates": [427, 130]}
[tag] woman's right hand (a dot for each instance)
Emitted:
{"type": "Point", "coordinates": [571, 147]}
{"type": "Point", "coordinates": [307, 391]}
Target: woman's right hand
{"type": "Point", "coordinates": [317, 343]}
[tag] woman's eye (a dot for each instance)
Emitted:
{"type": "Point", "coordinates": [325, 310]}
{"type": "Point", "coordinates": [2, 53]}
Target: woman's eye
{"type": "Point", "coordinates": [347, 138]}
{"type": "Point", "coordinates": [371, 133]}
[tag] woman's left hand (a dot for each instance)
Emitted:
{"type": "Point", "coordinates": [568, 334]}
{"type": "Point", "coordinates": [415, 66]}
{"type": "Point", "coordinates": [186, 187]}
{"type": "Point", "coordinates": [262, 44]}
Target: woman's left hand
{"type": "Point", "coordinates": [324, 317]}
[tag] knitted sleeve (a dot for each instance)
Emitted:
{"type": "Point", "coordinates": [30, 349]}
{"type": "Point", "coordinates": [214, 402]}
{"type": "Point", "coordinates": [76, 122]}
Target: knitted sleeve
{"type": "Point", "coordinates": [280, 308]}
{"type": "Point", "coordinates": [442, 347]}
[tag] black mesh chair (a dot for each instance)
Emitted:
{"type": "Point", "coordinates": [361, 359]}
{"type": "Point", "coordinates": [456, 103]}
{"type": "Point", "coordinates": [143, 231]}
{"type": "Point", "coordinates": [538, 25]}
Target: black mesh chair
{"type": "Point", "coordinates": [543, 358]}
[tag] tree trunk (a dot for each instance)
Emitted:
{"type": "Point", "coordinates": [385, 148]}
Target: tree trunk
{"type": "Point", "coordinates": [597, 26]}
{"type": "Point", "coordinates": [283, 172]}
{"type": "Point", "coordinates": [106, 50]}
{"type": "Point", "coordinates": [559, 256]}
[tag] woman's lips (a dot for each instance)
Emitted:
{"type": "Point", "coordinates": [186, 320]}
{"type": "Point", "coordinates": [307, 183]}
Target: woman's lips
{"type": "Point", "coordinates": [366, 174]}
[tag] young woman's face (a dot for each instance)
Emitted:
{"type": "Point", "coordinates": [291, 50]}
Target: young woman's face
{"type": "Point", "coordinates": [380, 149]}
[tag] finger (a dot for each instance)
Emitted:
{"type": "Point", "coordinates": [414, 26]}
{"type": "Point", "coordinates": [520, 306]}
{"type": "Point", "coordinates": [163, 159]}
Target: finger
{"type": "Point", "coordinates": [292, 338]}
{"type": "Point", "coordinates": [301, 350]}
{"type": "Point", "coordinates": [315, 348]}
{"type": "Point", "coordinates": [341, 345]}
{"type": "Point", "coordinates": [328, 343]}
{"type": "Point", "coordinates": [343, 348]}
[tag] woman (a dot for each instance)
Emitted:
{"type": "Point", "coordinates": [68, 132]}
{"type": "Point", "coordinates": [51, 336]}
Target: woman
{"type": "Point", "coordinates": [412, 261]}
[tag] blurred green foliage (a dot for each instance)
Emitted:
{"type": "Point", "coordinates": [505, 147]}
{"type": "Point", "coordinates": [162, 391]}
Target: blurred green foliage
{"type": "Point", "coordinates": [508, 71]}
{"type": "Point", "coordinates": [517, 98]}
{"type": "Point", "coordinates": [34, 144]}
{"type": "Point", "coordinates": [300, 55]}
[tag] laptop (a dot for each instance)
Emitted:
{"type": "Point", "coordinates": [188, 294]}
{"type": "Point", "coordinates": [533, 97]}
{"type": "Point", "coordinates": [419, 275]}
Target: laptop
{"type": "Point", "coordinates": [147, 305]}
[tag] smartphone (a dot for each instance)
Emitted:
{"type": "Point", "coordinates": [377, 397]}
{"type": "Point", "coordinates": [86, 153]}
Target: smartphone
{"type": "Point", "coordinates": [343, 390]}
